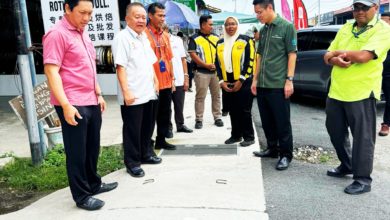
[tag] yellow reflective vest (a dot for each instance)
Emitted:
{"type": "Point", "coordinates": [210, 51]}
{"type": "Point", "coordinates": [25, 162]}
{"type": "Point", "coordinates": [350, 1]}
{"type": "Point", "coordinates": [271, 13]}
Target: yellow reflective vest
{"type": "Point", "coordinates": [243, 59]}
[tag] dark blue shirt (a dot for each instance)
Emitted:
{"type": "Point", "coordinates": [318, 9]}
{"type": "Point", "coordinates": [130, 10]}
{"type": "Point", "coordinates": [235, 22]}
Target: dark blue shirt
{"type": "Point", "coordinates": [386, 66]}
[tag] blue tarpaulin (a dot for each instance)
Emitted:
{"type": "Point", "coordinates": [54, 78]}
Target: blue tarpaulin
{"type": "Point", "coordinates": [179, 14]}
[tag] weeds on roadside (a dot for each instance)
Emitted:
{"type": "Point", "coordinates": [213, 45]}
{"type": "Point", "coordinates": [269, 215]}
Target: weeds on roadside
{"type": "Point", "coordinates": [51, 175]}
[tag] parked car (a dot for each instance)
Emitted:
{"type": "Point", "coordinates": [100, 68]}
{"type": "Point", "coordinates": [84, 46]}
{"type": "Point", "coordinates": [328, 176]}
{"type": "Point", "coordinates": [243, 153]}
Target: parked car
{"type": "Point", "coordinates": [312, 75]}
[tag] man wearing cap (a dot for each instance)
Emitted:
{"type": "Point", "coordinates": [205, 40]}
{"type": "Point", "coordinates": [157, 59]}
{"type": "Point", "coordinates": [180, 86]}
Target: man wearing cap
{"type": "Point", "coordinates": [356, 54]}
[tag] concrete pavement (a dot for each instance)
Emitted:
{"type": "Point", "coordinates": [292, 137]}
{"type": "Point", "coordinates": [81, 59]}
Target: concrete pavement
{"type": "Point", "coordinates": [182, 187]}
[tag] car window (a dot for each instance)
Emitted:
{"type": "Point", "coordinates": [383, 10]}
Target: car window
{"type": "Point", "coordinates": [304, 40]}
{"type": "Point", "coordinates": [322, 40]}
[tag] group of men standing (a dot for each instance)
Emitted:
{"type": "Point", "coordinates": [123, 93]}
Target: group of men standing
{"type": "Point", "coordinates": [149, 77]}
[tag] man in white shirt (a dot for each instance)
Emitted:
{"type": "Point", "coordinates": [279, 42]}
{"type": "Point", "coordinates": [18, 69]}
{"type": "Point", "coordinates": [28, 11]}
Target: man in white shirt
{"type": "Point", "coordinates": [138, 90]}
{"type": "Point", "coordinates": [179, 64]}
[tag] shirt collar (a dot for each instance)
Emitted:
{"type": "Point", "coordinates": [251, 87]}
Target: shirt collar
{"type": "Point", "coordinates": [68, 25]}
{"type": "Point", "coordinates": [372, 23]}
{"type": "Point", "coordinates": [134, 34]}
{"type": "Point", "coordinates": [204, 35]}
{"type": "Point", "coordinates": [277, 20]}
{"type": "Point", "coordinates": [154, 31]}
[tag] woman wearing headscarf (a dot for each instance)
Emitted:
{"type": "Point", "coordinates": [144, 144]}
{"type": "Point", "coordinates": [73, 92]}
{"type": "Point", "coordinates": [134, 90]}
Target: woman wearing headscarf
{"type": "Point", "coordinates": [235, 64]}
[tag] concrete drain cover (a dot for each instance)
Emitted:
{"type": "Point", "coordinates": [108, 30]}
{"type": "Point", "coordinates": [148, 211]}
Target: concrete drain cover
{"type": "Point", "coordinates": [203, 149]}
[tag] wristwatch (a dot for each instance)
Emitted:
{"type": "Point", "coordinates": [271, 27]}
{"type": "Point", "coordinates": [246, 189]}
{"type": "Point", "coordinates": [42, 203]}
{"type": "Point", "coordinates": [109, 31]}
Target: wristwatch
{"type": "Point", "coordinates": [290, 78]}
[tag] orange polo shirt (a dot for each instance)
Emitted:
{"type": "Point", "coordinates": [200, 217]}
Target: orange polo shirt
{"type": "Point", "coordinates": [162, 48]}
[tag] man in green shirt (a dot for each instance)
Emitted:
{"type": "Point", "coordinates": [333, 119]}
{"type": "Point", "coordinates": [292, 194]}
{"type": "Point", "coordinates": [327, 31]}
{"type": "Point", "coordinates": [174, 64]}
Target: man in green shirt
{"type": "Point", "coordinates": [273, 81]}
{"type": "Point", "coordinates": [357, 54]}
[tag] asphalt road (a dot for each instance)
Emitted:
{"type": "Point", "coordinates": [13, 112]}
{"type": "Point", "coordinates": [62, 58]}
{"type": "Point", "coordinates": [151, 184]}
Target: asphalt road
{"type": "Point", "coordinates": [305, 192]}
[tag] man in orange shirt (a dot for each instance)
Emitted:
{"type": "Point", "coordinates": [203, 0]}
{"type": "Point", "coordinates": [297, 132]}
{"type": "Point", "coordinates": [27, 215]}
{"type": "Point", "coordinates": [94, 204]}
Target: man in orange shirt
{"type": "Point", "coordinates": [163, 68]}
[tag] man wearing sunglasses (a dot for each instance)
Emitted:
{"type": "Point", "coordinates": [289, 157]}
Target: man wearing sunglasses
{"type": "Point", "coordinates": [356, 54]}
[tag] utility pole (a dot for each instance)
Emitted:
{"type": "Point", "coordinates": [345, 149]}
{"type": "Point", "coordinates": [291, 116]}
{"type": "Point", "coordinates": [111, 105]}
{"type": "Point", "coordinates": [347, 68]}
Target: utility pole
{"type": "Point", "coordinates": [28, 95]}
{"type": "Point", "coordinates": [235, 6]}
{"type": "Point", "coordinates": [26, 27]}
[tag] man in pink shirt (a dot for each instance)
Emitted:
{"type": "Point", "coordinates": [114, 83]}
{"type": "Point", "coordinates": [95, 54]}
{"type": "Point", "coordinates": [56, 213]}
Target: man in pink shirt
{"type": "Point", "coordinates": [69, 59]}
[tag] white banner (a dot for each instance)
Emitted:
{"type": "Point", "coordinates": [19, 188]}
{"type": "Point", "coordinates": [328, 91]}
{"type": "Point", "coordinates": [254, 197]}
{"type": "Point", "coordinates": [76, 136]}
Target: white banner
{"type": "Point", "coordinates": [104, 22]}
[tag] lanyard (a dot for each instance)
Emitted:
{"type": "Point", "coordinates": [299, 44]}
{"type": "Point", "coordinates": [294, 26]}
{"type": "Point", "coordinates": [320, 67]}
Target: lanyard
{"type": "Point", "coordinates": [361, 31]}
{"type": "Point", "coordinates": [156, 42]}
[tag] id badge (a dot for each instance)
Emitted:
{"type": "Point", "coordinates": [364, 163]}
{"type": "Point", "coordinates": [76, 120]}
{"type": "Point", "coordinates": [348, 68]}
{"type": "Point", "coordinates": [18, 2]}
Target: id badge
{"type": "Point", "coordinates": [163, 68]}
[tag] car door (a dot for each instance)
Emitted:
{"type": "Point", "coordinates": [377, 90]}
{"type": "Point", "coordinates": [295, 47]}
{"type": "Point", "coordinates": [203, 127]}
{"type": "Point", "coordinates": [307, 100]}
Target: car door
{"type": "Point", "coordinates": [315, 73]}
{"type": "Point", "coordinates": [304, 39]}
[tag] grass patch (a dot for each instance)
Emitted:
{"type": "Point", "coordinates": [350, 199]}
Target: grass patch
{"type": "Point", "coordinates": [51, 175]}
{"type": "Point", "coordinates": [325, 158]}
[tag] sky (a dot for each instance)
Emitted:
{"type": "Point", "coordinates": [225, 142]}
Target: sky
{"type": "Point", "coordinates": [246, 7]}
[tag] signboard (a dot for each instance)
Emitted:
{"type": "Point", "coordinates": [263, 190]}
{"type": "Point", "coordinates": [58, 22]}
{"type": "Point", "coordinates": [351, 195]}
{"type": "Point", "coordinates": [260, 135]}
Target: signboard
{"type": "Point", "coordinates": [104, 23]}
{"type": "Point", "coordinates": [42, 103]}
{"type": "Point", "coordinates": [188, 3]}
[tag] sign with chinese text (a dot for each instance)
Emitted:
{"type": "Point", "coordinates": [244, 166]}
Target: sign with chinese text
{"type": "Point", "coordinates": [101, 29]}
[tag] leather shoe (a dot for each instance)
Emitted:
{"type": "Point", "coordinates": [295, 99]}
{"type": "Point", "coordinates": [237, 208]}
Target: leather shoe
{"type": "Point", "coordinates": [91, 204]}
{"type": "Point", "coordinates": [338, 172]}
{"type": "Point", "coordinates": [266, 153]}
{"type": "Point", "coordinates": [105, 187]}
{"type": "Point", "coordinates": [283, 163]}
{"type": "Point", "coordinates": [169, 134]}
{"type": "Point", "coordinates": [165, 145]}
{"type": "Point", "coordinates": [225, 113]}
{"type": "Point", "coordinates": [184, 129]}
{"type": "Point", "coordinates": [357, 188]}
{"type": "Point", "coordinates": [218, 123]}
{"type": "Point", "coordinates": [246, 143]}
{"type": "Point", "coordinates": [198, 125]}
{"type": "Point", "coordinates": [136, 172]}
{"type": "Point", "coordinates": [232, 140]}
{"type": "Point", "coordinates": [152, 160]}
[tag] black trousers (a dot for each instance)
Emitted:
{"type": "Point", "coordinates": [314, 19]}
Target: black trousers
{"type": "Point", "coordinates": [190, 69]}
{"type": "Point", "coordinates": [225, 101]}
{"type": "Point", "coordinates": [239, 106]}
{"type": "Point", "coordinates": [178, 97]}
{"type": "Point", "coordinates": [360, 117]}
{"type": "Point", "coordinates": [275, 118]}
{"type": "Point", "coordinates": [163, 113]}
{"type": "Point", "coordinates": [82, 145]}
{"type": "Point", "coordinates": [386, 92]}
{"type": "Point", "coordinates": [138, 127]}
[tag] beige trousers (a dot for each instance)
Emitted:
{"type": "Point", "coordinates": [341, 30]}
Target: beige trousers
{"type": "Point", "coordinates": [203, 81]}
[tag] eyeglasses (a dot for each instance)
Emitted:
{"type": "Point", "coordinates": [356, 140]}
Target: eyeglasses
{"type": "Point", "coordinates": [230, 24]}
{"type": "Point", "coordinates": [364, 8]}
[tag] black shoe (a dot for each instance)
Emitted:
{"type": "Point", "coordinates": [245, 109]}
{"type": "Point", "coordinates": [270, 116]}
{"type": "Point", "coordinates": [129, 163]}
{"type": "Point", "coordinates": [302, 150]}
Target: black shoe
{"type": "Point", "coordinates": [283, 163]}
{"type": "Point", "coordinates": [246, 143]}
{"type": "Point", "coordinates": [189, 90]}
{"type": "Point", "coordinates": [357, 188]}
{"type": "Point", "coordinates": [225, 113]}
{"type": "Point", "coordinates": [266, 153]}
{"type": "Point", "coordinates": [169, 134]}
{"type": "Point", "coordinates": [184, 129]}
{"type": "Point", "coordinates": [232, 140]}
{"type": "Point", "coordinates": [91, 204]}
{"type": "Point", "coordinates": [198, 124]}
{"type": "Point", "coordinates": [165, 145]}
{"type": "Point", "coordinates": [152, 160]}
{"type": "Point", "coordinates": [338, 172]}
{"type": "Point", "coordinates": [136, 172]}
{"type": "Point", "coordinates": [105, 187]}
{"type": "Point", "coordinates": [218, 123]}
